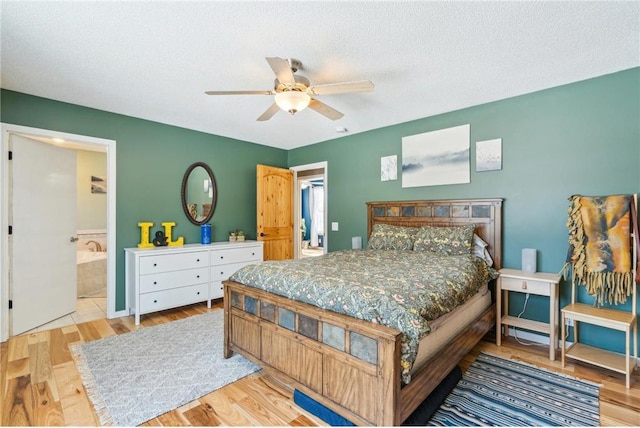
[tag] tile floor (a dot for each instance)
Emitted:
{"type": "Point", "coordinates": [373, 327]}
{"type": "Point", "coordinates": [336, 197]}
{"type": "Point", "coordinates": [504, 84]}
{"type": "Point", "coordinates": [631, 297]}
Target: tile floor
{"type": "Point", "coordinates": [87, 309]}
{"type": "Point", "coordinates": [312, 252]}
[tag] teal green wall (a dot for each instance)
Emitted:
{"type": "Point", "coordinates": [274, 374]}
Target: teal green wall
{"type": "Point", "coordinates": [151, 159]}
{"type": "Point", "coordinates": [581, 138]}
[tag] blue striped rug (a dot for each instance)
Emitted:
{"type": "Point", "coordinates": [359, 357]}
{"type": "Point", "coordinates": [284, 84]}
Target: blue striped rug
{"type": "Point", "coordinates": [499, 392]}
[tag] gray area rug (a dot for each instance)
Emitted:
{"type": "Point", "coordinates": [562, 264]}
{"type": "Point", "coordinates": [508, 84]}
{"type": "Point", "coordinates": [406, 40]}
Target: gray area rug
{"type": "Point", "coordinates": [134, 377]}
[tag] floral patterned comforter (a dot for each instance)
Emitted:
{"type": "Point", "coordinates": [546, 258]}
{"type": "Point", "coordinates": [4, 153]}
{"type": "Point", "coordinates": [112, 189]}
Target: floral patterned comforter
{"type": "Point", "coordinates": [401, 289]}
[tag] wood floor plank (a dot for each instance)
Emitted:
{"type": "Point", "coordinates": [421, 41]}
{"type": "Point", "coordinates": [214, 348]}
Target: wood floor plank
{"type": "Point", "coordinates": [47, 410]}
{"type": "Point", "coordinates": [172, 418]}
{"type": "Point", "coordinates": [76, 407]}
{"type": "Point", "coordinates": [88, 332]}
{"type": "Point", "coordinates": [40, 362]}
{"type": "Point", "coordinates": [18, 402]}
{"type": "Point", "coordinates": [17, 368]}
{"type": "Point", "coordinates": [260, 412]}
{"type": "Point", "coordinates": [225, 409]}
{"type": "Point", "coordinates": [202, 415]}
{"type": "Point", "coordinates": [303, 421]}
{"type": "Point", "coordinates": [103, 328]}
{"type": "Point", "coordinates": [59, 347]}
{"type": "Point", "coordinates": [618, 416]}
{"type": "Point", "coordinates": [73, 337]}
{"type": "Point", "coordinates": [118, 326]}
{"type": "Point", "coordinates": [259, 399]}
{"type": "Point", "coordinates": [18, 348]}
{"type": "Point", "coordinates": [272, 400]}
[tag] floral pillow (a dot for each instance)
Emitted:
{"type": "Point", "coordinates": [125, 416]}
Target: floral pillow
{"type": "Point", "coordinates": [445, 240]}
{"type": "Point", "coordinates": [389, 237]}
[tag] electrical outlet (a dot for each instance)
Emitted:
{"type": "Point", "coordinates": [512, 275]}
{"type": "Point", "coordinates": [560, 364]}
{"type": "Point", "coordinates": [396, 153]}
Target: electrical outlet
{"type": "Point", "coordinates": [568, 322]}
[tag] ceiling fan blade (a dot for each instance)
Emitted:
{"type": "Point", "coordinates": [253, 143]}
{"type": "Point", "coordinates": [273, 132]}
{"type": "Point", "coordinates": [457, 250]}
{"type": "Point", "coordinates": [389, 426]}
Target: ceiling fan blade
{"type": "Point", "coordinates": [325, 110]}
{"type": "Point", "coordinates": [342, 88]}
{"type": "Point", "coordinates": [269, 113]}
{"type": "Point", "coordinates": [239, 92]}
{"type": "Point", "coordinates": [282, 69]}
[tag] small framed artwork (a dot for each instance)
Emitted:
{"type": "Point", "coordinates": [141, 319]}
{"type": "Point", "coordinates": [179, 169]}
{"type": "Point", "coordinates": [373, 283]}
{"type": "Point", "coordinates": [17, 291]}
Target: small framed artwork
{"type": "Point", "coordinates": [489, 155]}
{"type": "Point", "coordinates": [98, 184]}
{"type": "Point", "coordinates": [389, 168]}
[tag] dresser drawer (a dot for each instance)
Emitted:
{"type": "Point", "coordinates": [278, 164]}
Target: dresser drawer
{"type": "Point", "coordinates": [178, 278]}
{"type": "Point", "coordinates": [525, 286]}
{"type": "Point", "coordinates": [216, 290]}
{"type": "Point", "coordinates": [169, 262]}
{"type": "Point", "coordinates": [235, 255]}
{"type": "Point", "coordinates": [151, 302]}
{"type": "Point", "coordinates": [222, 272]}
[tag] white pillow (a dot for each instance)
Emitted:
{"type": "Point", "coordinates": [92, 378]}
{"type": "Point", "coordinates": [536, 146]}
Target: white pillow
{"type": "Point", "coordinates": [480, 249]}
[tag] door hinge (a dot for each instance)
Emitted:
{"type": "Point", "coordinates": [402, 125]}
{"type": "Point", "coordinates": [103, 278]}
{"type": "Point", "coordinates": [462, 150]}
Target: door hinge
{"type": "Point", "coordinates": [10, 155]}
{"type": "Point", "coordinates": [10, 304]}
{"type": "Point", "coordinates": [10, 230]}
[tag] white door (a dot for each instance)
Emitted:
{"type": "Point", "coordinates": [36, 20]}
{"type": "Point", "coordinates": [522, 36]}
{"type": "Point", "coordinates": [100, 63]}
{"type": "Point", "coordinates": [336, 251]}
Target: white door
{"type": "Point", "coordinates": [43, 218]}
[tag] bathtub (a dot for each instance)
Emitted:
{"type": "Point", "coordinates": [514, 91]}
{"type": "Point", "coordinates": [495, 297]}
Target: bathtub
{"type": "Point", "coordinates": [91, 269]}
{"type": "Point", "coordinates": [83, 257]}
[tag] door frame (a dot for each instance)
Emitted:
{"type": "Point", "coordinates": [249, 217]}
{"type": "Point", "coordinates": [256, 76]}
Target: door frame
{"type": "Point", "coordinates": [79, 141]}
{"type": "Point", "coordinates": [297, 203]}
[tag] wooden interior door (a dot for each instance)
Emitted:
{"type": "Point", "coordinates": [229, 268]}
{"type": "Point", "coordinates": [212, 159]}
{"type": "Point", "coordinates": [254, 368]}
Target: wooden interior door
{"type": "Point", "coordinates": [275, 211]}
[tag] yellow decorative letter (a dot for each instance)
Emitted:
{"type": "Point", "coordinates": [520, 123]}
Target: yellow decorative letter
{"type": "Point", "coordinates": [167, 233]}
{"type": "Point", "coordinates": [144, 234]}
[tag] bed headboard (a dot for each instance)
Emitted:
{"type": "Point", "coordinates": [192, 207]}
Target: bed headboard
{"type": "Point", "coordinates": [486, 214]}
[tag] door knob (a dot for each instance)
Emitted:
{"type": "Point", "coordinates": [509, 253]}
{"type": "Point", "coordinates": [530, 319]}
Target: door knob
{"type": "Point", "coordinates": [74, 239]}
{"type": "Point", "coordinates": [264, 234]}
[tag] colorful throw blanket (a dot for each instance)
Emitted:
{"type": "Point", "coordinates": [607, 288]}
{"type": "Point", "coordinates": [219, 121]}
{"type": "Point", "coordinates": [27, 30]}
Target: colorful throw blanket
{"type": "Point", "coordinates": [600, 246]}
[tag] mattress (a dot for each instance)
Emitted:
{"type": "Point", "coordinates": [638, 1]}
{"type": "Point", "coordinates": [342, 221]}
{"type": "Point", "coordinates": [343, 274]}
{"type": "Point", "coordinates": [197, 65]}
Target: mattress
{"type": "Point", "coordinates": [448, 326]}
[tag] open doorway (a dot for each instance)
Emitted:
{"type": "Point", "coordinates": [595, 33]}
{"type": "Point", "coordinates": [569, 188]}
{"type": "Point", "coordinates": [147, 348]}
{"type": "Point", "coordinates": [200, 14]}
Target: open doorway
{"type": "Point", "coordinates": [310, 207]}
{"type": "Point", "coordinates": [104, 236]}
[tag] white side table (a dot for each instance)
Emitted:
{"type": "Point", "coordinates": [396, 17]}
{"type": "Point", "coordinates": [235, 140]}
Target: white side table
{"type": "Point", "coordinates": [539, 283]}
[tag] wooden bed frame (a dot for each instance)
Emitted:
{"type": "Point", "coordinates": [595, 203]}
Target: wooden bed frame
{"type": "Point", "coordinates": [358, 377]}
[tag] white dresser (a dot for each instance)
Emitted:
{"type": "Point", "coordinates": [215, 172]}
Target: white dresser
{"type": "Point", "coordinates": [167, 277]}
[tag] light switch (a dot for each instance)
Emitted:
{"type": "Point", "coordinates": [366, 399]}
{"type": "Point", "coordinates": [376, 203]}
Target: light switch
{"type": "Point", "coordinates": [334, 226]}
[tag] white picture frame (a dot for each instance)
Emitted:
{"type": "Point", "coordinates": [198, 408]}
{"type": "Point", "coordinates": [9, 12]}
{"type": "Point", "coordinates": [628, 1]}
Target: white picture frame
{"type": "Point", "coordinates": [437, 157]}
{"type": "Point", "coordinates": [389, 168]}
{"type": "Point", "coordinates": [489, 155]}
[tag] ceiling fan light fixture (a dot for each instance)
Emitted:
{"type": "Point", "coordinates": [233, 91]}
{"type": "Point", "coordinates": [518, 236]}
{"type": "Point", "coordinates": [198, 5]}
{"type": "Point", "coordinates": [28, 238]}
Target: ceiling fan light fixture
{"type": "Point", "coordinates": [292, 101]}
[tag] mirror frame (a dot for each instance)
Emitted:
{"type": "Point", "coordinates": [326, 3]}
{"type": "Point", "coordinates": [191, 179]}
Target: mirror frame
{"type": "Point", "coordinates": [183, 193]}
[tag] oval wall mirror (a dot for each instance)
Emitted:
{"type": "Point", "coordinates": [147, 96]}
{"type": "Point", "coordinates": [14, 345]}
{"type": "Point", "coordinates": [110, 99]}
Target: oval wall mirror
{"type": "Point", "coordinates": [199, 193]}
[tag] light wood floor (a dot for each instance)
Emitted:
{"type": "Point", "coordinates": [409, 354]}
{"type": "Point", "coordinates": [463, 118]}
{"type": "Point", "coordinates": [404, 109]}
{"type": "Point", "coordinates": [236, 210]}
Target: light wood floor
{"type": "Point", "coordinates": [41, 385]}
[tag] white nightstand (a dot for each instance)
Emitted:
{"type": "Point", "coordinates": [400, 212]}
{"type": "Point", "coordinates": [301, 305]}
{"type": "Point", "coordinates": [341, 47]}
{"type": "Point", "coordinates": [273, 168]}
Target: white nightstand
{"type": "Point", "coordinates": [542, 284]}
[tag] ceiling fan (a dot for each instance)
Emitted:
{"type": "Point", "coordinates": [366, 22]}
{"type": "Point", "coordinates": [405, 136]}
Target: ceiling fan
{"type": "Point", "coordinates": [294, 93]}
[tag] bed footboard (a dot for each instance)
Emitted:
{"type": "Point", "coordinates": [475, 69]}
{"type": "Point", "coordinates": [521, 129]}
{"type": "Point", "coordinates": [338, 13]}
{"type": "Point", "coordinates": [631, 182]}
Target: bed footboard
{"type": "Point", "coordinates": [349, 365]}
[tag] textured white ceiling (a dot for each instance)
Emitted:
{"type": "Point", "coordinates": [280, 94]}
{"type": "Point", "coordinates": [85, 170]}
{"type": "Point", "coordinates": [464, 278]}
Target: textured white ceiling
{"type": "Point", "coordinates": [154, 60]}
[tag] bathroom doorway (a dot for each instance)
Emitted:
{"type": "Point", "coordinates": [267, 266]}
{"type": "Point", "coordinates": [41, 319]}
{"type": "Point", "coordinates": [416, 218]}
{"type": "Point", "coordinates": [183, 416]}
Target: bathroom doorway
{"type": "Point", "coordinates": [311, 195]}
{"type": "Point", "coordinates": [105, 235]}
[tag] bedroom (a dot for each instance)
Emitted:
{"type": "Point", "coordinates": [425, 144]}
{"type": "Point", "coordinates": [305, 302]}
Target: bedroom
{"type": "Point", "coordinates": [579, 137]}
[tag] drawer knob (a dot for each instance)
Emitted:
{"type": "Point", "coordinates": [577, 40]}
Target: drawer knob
{"type": "Point", "coordinates": [221, 273]}
{"type": "Point", "coordinates": [155, 282]}
{"type": "Point", "coordinates": [253, 254]}
{"type": "Point", "coordinates": [197, 276]}
{"type": "Point", "coordinates": [221, 257]}
{"type": "Point", "coordinates": [155, 301]}
{"type": "Point", "coordinates": [198, 292]}
{"type": "Point", "coordinates": [155, 264]}
{"type": "Point", "coordinates": [197, 260]}
{"type": "Point", "coordinates": [524, 285]}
